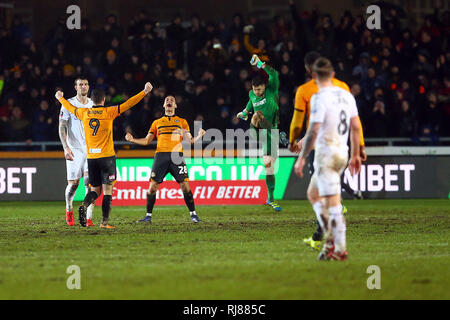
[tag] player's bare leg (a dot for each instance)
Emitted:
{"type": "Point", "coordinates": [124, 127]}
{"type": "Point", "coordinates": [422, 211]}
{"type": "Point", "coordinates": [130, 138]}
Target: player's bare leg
{"type": "Point", "coordinates": [189, 200]}
{"type": "Point", "coordinates": [151, 199]}
{"type": "Point", "coordinates": [106, 206]}
{"type": "Point", "coordinates": [89, 199]}
{"type": "Point", "coordinates": [71, 189]}
{"type": "Point", "coordinates": [90, 208]}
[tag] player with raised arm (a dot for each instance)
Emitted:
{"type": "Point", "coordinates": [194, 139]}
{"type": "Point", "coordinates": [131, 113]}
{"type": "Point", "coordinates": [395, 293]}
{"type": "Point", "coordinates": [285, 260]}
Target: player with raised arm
{"type": "Point", "coordinates": [169, 132]}
{"type": "Point", "coordinates": [301, 115]}
{"type": "Point", "coordinates": [333, 115]}
{"type": "Point", "coordinates": [263, 102]}
{"type": "Point", "coordinates": [98, 129]}
{"type": "Point", "coordinates": [71, 134]}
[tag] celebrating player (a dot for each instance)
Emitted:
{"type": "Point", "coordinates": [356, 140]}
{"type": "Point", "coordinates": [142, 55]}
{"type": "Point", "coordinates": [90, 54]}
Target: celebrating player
{"type": "Point", "coordinates": [98, 127]}
{"type": "Point", "coordinates": [263, 101]}
{"type": "Point", "coordinates": [169, 131]}
{"type": "Point", "coordinates": [333, 114]}
{"type": "Point", "coordinates": [302, 111]}
{"type": "Point", "coordinates": [71, 134]}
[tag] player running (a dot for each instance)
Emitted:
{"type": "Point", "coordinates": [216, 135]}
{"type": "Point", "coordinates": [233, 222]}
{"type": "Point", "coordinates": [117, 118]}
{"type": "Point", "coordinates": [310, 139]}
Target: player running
{"type": "Point", "coordinates": [169, 131]}
{"type": "Point", "coordinates": [263, 102]}
{"type": "Point", "coordinates": [71, 134]}
{"type": "Point", "coordinates": [333, 114]}
{"type": "Point", "coordinates": [302, 111]}
{"type": "Point", "coordinates": [98, 129]}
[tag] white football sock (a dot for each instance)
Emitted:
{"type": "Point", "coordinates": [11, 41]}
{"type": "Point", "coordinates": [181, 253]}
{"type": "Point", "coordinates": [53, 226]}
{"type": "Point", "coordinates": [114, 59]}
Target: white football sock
{"type": "Point", "coordinates": [318, 209]}
{"type": "Point", "coordinates": [90, 208]}
{"type": "Point", "coordinates": [338, 228]}
{"type": "Point", "coordinates": [70, 194]}
{"type": "Point", "coordinates": [149, 214]}
{"type": "Point", "coordinates": [192, 213]}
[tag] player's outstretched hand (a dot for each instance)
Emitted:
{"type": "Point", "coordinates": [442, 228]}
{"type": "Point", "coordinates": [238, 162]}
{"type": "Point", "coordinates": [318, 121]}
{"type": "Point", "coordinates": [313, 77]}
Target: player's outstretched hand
{"type": "Point", "coordinates": [248, 29]}
{"type": "Point", "coordinates": [201, 133]}
{"type": "Point", "coordinates": [148, 87]}
{"type": "Point", "coordinates": [129, 137]}
{"type": "Point", "coordinates": [59, 94]}
{"type": "Point", "coordinates": [355, 165]}
{"type": "Point", "coordinates": [68, 154]}
{"type": "Point", "coordinates": [240, 115]}
{"type": "Point", "coordinates": [298, 168]}
{"type": "Point", "coordinates": [255, 59]}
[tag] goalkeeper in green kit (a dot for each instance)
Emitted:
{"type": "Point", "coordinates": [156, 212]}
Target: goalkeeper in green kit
{"type": "Point", "coordinates": [263, 103]}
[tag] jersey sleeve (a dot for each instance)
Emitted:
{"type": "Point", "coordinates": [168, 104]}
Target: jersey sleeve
{"type": "Point", "coordinates": [317, 110]}
{"type": "Point", "coordinates": [185, 125]}
{"type": "Point", "coordinates": [353, 109]}
{"type": "Point", "coordinates": [153, 128]}
{"type": "Point", "coordinates": [64, 114]}
{"type": "Point", "coordinates": [249, 106]}
{"type": "Point", "coordinates": [69, 107]}
{"type": "Point", "coordinates": [274, 81]}
{"type": "Point", "coordinates": [298, 117]}
{"type": "Point", "coordinates": [113, 112]}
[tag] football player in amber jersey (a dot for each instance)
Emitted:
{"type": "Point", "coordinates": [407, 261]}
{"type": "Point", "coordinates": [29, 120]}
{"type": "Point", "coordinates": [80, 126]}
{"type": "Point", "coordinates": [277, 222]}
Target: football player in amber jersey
{"type": "Point", "coordinates": [169, 132]}
{"type": "Point", "coordinates": [98, 129]}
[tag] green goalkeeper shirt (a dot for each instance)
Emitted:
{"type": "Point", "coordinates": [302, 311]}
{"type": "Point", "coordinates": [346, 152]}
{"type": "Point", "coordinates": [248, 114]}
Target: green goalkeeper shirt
{"type": "Point", "coordinates": [268, 103]}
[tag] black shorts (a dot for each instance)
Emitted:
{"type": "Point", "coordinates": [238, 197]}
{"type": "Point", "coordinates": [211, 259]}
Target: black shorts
{"type": "Point", "coordinates": [169, 162]}
{"type": "Point", "coordinates": [102, 171]}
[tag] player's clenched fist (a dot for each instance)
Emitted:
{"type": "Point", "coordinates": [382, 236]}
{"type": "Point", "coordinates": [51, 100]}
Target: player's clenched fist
{"type": "Point", "coordinates": [148, 87]}
{"type": "Point", "coordinates": [59, 94]}
{"type": "Point", "coordinates": [129, 137]}
{"type": "Point", "coordinates": [201, 133]}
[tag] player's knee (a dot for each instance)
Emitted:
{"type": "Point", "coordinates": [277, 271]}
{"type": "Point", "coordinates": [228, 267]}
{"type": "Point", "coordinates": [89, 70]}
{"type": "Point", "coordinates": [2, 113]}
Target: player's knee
{"type": "Point", "coordinates": [153, 188]}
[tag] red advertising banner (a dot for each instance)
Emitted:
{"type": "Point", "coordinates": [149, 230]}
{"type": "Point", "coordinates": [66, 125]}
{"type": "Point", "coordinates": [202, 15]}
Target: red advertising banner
{"type": "Point", "coordinates": [134, 193]}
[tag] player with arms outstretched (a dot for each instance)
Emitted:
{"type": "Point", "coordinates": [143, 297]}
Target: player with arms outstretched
{"type": "Point", "coordinates": [333, 115]}
{"type": "Point", "coordinates": [263, 102]}
{"type": "Point", "coordinates": [169, 132]}
{"type": "Point", "coordinates": [98, 129]}
{"type": "Point", "coordinates": [71, 134]}
{"type": "Point", "coordinates": [302, 112]}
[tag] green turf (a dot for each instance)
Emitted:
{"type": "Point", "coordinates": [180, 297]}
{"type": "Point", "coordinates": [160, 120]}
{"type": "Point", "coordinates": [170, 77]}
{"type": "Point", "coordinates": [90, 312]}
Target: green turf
{"type": "Point", "coordinates": [239, 252]}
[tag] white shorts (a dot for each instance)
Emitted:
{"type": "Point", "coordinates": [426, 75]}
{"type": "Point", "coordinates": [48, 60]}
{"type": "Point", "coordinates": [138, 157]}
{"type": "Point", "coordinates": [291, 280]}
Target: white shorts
{"type": "Point", "coordinates": [328, 168]}
{"type": "Point", "coordinates": [78, 166]}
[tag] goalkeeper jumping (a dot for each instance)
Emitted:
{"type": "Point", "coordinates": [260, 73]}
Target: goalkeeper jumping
{"type": "Point", "coordinates": [263, 103]}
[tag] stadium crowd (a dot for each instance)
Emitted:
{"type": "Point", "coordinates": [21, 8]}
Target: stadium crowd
{"type": "Point", "coordinates": [399, 75]}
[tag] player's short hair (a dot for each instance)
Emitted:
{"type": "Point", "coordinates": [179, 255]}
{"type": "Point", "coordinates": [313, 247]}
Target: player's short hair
{"type": "Point", "coordinates": [323, 68]}
{"type": "Point", "coordinates": [97, 96]}
{"type": "Point", "coordinates": [80, 78]}
{"type": "Point", "coordinates": [258, 80]}
{"type": "Point", "coordinates": [311, 57]}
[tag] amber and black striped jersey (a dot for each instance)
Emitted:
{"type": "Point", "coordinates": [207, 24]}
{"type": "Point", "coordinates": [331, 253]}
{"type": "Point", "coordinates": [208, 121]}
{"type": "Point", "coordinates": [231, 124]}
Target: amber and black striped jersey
{"type": "Point", "coordinates": [169, 133]}
{"type": "Point", "coordinates": [98, 125]}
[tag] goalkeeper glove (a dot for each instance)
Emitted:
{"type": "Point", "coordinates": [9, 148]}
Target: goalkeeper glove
{"type": "Point", "coordinates": [242, 115]}
{"type": "Point", "coordinates": [255, 61]}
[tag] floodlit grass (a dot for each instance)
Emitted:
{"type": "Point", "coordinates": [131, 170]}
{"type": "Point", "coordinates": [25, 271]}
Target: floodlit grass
{"type": "Point", "coordinates": [238, 252]}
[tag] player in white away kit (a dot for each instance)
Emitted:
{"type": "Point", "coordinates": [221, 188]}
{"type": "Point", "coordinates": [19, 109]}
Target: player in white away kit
{"type": "Point", "coordinates": [71, 134]}
{"type": "Point", "coordinates": [333, 115]}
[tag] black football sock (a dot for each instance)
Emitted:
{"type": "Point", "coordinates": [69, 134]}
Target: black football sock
{"type": "Point", "coordinates": [90, 198]}
{"type": "Point", "coordinates": [189, 199]}
{"type": "Point", "coordinates": [151, 198]}
{"type": "Point", "coordinates": [106, 208]}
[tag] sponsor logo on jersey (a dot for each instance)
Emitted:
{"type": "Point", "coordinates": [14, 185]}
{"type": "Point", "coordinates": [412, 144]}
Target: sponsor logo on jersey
{"type": "Point", "coordinates": [259, 103]}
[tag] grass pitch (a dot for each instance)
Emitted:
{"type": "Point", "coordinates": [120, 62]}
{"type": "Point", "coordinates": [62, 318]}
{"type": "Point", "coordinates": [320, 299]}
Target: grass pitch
{"type": "Point", "coordinates": [239, 252]}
